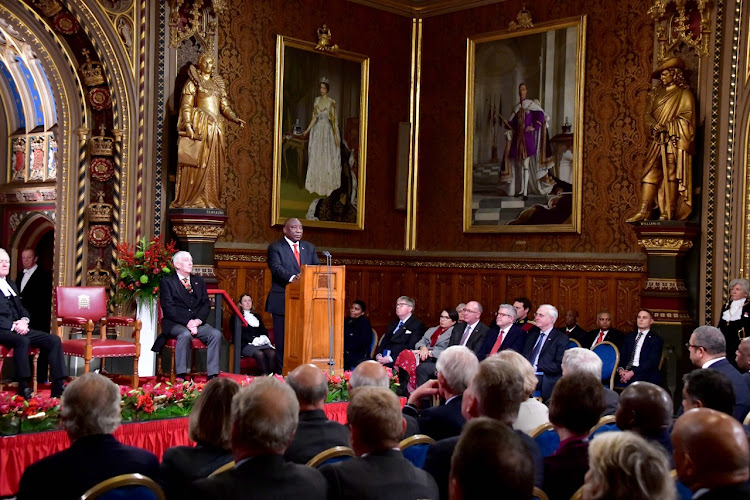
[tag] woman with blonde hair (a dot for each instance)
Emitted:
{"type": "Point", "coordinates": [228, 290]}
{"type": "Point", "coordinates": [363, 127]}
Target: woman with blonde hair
{"type": "Point", "coordinates": [533, 412]}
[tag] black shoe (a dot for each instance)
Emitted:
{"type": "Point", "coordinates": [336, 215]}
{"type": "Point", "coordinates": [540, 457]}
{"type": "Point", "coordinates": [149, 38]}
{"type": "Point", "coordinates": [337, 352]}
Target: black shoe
{"type": "Point", "coordinates": [183, 376]}
{"type": "Point", "coordinates": [25, 392]}
{"type": "Point", "coordinates": [211, 377]}
{"type": "Point", "coordinates": [57, 389]}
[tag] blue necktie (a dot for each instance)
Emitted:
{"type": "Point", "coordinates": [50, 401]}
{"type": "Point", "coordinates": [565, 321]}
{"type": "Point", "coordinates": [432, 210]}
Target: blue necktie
{"type": "Point", "coordinates": [400, 324]}
{"type": "Point", "coordinates": [537, 350]}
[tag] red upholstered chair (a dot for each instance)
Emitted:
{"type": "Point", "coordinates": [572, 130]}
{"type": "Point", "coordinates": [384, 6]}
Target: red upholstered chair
{"type": "Point", "coordinates": [172, 345]}
{"type": "Point", "coordinates": [6, 352]}
{"type": "Point", "coordinates": [83, 307]}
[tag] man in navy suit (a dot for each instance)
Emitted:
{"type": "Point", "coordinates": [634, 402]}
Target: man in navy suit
{"type": "Point", "coordinates": [641, 352]}
{"type": "Point", "coordinates": [707, 348]}
{"type": "Point", "coordinates": [545, 349]}
{"type": "Point", "coordinates": [90, 415]}
{"type": "Point", "coordinates": [286, 257]}
{"type": "Point", "coordinates": [504, 335]}
{"type": "Point", "coordinates": [402, 333]}
{"type": "Point", "coordinates": [185, 307]}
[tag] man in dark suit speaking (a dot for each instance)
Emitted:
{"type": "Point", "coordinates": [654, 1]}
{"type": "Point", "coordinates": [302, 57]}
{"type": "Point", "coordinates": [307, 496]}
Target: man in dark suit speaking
{"type": "Point", "coordinates": [286, 257]}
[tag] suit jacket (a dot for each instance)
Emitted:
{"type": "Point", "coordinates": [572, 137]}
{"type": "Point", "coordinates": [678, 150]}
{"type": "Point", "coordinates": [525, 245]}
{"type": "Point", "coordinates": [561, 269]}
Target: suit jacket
{"type": "Point", "coordinates": [37, 299]}
{"type": "Point", "coordinates": [476, 340]}
{"type": "Point", "coordinates": [405, 337]}
{"type": "Point", "coordinates": [515, 339]}
{"type": "Point", "coordinates": [613, 335]}
{"type": "Point", "coordinates": [564, 469]}
{"type": "Point", "coordinates": [739, 491]}
{"type": "Point", "coordinates": [179, 306]}
{"type": "Point", "coordinates": [439, 422]}
{"type": "Point", "coordinates": [746, 378]}
{"type": "Point", "coordinates": [648, 366]}
{"type": "Point", "coordinates": [181, 465]}
{"type": "Point", "coordinates": [384, 473]}
{"type": "Point", "coordinates": [576, 333]}
{"type": "Point", "coordinates": [741, 392]}
{"type": "Point", "coordinates": [267, 477]}
{"type": "Point", "coordinates": [611, 402]}
{"type": "Point", "coordinates": [88, 461]}
{"type": "Point", "coordinates": [550, 357]}
{"type": "Point", "coordinates": [7, 314]}
{"type": "Point", "coordinates": [442, 343]}
{"type": "Point", "coordinates": [315, 433]}
{"type": "Point", "coordinates": [283, 265]}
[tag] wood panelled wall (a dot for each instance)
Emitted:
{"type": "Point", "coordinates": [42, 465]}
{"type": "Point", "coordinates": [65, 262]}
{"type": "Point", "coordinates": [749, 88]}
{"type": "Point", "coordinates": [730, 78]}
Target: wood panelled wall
{"type": "Point", "coordinates": [614, 286]}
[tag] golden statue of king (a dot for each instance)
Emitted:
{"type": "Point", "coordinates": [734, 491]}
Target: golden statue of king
{"type": "Point", "coordinates": [204, 106]}
{"type": "Point", "coordinates": [667, 175]}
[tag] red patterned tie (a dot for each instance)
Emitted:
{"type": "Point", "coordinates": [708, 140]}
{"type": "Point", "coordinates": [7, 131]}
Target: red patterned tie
{"type": "Point", "coordinates": [498, 342]}
{"type": "Point", "coordinates": [296, 255]}
{"type": "Point", "coordinates": [600, 337]}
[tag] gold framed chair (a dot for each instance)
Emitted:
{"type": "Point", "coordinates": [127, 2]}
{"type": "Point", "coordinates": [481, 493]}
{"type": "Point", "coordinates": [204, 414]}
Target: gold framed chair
{"type": "Point", "coordinates": [539, 494]}
{"type": "Point", "coordinates": [126, 481]}
{"type": "Point", "coordinates": [414, 448]}
{"type": "Point", "coordinates": [546, 438]}
{"type": "Point", "coordinates": [605, 424]}
{"type": "Point", "coordinates": [610, 356]}
{"type": "Point", "coordinates": [578, 495]}
{"type": "Point", "coordinates": [331, 455]}
{"type": "Point", "coordinates": [6, 352]}
{"type": "Point", "coordinates": [221, 469]}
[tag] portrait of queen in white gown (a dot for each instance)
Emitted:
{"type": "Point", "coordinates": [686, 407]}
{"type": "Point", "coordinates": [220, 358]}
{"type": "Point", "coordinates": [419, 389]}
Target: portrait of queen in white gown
{"type": "Point", "coordinates": [324, 156]}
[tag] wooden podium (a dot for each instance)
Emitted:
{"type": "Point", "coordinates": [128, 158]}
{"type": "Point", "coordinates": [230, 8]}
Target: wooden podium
{"type": "Point", "coordinates": [306, 327]}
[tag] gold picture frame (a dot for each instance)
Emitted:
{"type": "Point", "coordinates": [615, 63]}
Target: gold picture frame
{"type": "Point", "coordinates": [317, 132]}
{"type": "Point", "coordinates": [523, 150]}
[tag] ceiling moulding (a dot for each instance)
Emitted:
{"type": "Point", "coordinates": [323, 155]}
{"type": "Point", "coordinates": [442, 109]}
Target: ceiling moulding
{"type": "Point", "coordinates": [424, 8]}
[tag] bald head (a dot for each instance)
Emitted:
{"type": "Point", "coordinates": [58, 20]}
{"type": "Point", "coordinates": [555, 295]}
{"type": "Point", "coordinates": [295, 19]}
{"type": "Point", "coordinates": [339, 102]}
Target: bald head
{"type": "Point", "coordinates": [743, 355]}
{"type": "Point", "coordinates": [645, 408]}
{"type": "Point", "coordinates": [710, 449]}
{"type": "Point", "coordinates": [310, 385]}
{"type": "Point", "coordinates": [368, 374]}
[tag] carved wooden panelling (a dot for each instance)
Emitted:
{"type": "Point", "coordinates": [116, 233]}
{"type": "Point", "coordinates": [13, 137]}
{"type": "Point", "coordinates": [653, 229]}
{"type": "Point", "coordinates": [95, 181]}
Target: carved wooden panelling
{"type": "Point", "coordinates": [628, 300]}
{"type": "Point", "coordinates": [424, 294]}
{"type": "Point", "coordinates": [492, 294]}
{"type": "Point", "coordinates": [467, 288]}
{"type": "Point", "coordinates": [443, 291]}
{"type": "Point", "coordinates": [568, 295]}
{"type": "Point", "coordinates": [515, 286]}
{"type": "Point", "coordinates": [541, 290]}
{"type": "Point", "coordinates": [597, 297]}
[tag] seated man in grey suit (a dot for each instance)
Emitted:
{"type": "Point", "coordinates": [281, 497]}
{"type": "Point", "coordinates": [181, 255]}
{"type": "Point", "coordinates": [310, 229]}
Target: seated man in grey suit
{"type": "Point", "coordinates": [374, 416]}
{"type": "Point", "coordinates": [264, 418]}
{"type": "Point", "coordinates": [315, 433]}
{"type": "Point", "coordinates": [580, 360]}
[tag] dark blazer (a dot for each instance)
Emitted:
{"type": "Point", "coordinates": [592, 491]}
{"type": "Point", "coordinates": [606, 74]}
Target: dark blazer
{"type": "Point", "coordinates": [611, 402]}
{"type": "Point", "coordinates": [550, 357]}
{"type": "Point", "coordinates": [731, 329]}
{"type": "Point", "coordinates": [439, 422]}
{"type": "Point", "coordinates": [7, 314]}
{"type": "Point", "coordinates": [283, 265]}
{"type": "Point", "coordinates": [267, 477]}
{"type": "Point", "coordinates": [357, 341]}
{"type": "Point", "coordinates": [404, 338]}
{"type": "Point", "coordinates": [380, 474]}
{"type": "Point", "coordinates": [315, 433]}
{"type": "Point", "coordinates": [741, 392]}
{"type": "Point", "coordinates": [37, 299]}
{"type": "Point", "coordinates": [250, 332]}
{"type": "Point", "coordinates": [515, 339]}
{"type": "Point", "coordinates": [564, 469]}
{"type": "Point", "coordinates": [739, 491]}
{"type": "Point", "coordinates": [178, 305]}
{"type": "Point", "coordinates": [181, 465]}
{"type": "Point", "coordinates": [746, 378]}
{"type": "Point", "coordinates": [648, 365]}
{"type": "Point", "coordinates": [576, 333]}
{"type": "Point", "coordinates": [476, 341]}
{"type": "Point", "coordinates": [613, 335]}
{"type": "Point", "coordinates": [89, 461]}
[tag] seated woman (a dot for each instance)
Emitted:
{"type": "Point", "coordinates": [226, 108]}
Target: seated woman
{"type": "Point", "coordinates": [357, 335]}
{"type": "Point", "coordinates": [209, 426]}
{"type": "Point", "coordinates": [532, 413]}
{"type": "Point", "coordinates": [429, 347]}
{"type": "Point", "coordinates": [255, 341]}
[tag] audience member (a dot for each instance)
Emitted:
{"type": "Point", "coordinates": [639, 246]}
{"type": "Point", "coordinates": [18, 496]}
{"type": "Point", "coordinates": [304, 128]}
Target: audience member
{"type": "Point", "coordinates": [505, 334]}
{"type": "Point", "coordinates": [428, 349]}
{"type": "Point", "coordinates": [742, 358]}
{"type": "Point", "coordinates": [707, 348]}
{"type": "Point", "coordinates": [575, 407]}
{"type": "Point", "coordinates": [707, 389]}
{"type": "Point", "coordinates": [36, 296]}
{"type": "Point", "coordinates": [580, 360]}
{"type": "Point", "coordinates": [185, 306]}
{"type": "Point", "coordinates": [357, 335]}
{"type": "Point", "coordinates": [641, 352]}
{"type": "Point", "coordinates": [315, 433]}
{"type": "Point", "coordinates": [461, 310]}
{"type": "Point", "coordinates": [489, 451]}
{"type": "Point", "coordinates": [496, 391]}
{"type": "Point", "coordinates": [374, 416]}
{"type": "Point", "coordinates": [90, 414]}
{"type": "Point", "coordinates": [711, 455]}
{"type": "Point", "coordinates": [455, 368]}
{"type": "Point", "coordinates": [255, 341]}
{"type": "Point", "coordinates": [264, 418]}
{"type": "Point", "coordinates": [545, 349]}
{"type": "Point", "coordinates": [572, 328]}
{"type": "Point", "coordinates": [522, 305]}
{"type": "Point", "coordinates": [403, 333]}
{"type": "Point", "coordinates": [646, 409]}
{"type": "Point", "coordinates": [16, 334]}
{"type": "Point", "coordinates": [603, 332]}
{"type": "Point", "coordinates": [624, 466]}
{"type": "Point", "coordinates": [735, 315]}
{"type": "Point", "coordinates": [532, 412]}
{"type": "Point", "coordinates": [210, 428]}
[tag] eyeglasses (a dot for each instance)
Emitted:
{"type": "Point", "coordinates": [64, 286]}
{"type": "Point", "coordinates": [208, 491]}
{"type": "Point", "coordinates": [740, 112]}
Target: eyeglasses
{"type": "Point", "coordinates": [503, 314]}
{"type": "Point", "coordinates": [689, 345]}
{"type": "Point", "coordinates": [470, 311]}
{"type": "Point", "coordinates": [401, 304]}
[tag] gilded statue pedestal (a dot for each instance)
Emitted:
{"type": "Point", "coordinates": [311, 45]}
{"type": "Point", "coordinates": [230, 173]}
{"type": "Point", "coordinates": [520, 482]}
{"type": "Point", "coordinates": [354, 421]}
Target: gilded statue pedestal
{"type": "Point", "coordinates": [197, 230]}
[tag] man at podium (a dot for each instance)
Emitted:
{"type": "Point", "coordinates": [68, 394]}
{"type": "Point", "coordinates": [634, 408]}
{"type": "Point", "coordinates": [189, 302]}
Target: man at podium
{"type": "Point", "coordinates": [286, 257]}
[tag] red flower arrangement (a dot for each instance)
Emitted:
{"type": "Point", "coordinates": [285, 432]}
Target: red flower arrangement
{"type": "Point", "coordinates": [141, 267]}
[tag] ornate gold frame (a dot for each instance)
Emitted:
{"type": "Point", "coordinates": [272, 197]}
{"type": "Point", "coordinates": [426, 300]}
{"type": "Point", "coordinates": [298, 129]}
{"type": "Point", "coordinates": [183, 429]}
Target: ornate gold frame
{"type": "Point", "coordinates": [507, 41]}
{"type": "Point", "coordinates": [310, 51]}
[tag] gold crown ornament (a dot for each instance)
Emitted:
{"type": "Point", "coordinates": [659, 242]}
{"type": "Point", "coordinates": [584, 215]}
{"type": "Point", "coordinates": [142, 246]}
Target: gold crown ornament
{"type": "Point", "coordinates": [101, 145]}
{"type": "Point", "coordinates": [100, 211]}
{"type": "Point", "coordinates": [98, 276]}
{"type": "Point", "coordinates": [91, 71]}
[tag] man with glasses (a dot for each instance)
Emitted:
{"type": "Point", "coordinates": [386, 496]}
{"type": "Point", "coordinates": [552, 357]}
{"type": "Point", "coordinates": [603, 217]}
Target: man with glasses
{"type": "Point", "coordinates": [545, 349]}
{"type": "Point", "coordinates": [505, 335]}
{"type": "Point", "coordinates": [641, 352]}
{"type": "Point", "coordinates": [402, 333]}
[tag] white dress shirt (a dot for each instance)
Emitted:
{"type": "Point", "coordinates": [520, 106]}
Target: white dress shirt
{"type": "Point", "coordinates": [638, 347]}
{"type": "Point", "coordinates": [27, 275]}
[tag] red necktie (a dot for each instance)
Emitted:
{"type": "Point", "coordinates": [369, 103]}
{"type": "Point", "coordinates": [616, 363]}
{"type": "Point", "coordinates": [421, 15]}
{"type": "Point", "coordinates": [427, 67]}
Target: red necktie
{"type": "Point", "coordinates": [498, 342]}
{"type": "Point", "coordinates": [296, 255]}
{"type": "Point", "coordinates": [600, 337]}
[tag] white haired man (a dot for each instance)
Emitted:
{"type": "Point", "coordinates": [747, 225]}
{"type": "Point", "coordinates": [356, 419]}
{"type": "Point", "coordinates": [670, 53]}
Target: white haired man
{"type": "Point", "coordinates": [545, 349]}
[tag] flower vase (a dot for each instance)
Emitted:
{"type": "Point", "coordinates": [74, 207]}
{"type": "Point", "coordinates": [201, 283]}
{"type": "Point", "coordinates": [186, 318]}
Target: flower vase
{"type": "Point", "coordinates": [146, 312]}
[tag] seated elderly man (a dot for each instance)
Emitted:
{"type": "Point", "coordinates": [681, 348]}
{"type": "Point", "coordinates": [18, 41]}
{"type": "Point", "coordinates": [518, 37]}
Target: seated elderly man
{"type": "Point", "coordinates": [580, 360]}
{"type": "Point", "coordinates": [711, 455]}
{"type": "Point", "coordinates": [646, 409]}
{"type": "Point", "coordinates": [545, 349]}
{"type": "Point", "coordinates": [315, 433]}
{"type": "Point", "coordinates": [264, 418]}
{"type": "Point", "coordinates": [90, 414]}
{"type": "Point", "coordinates": [455, 368]}
{"type": "Point", "coordinates": [374, 415]}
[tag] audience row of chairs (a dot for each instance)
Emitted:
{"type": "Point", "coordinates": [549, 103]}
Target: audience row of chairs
{"type": "Point", "coordinates": [548, 440]}
{"type": "Point", "coordinates": [610, 356]}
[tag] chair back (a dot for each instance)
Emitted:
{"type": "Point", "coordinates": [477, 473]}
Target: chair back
{"type": "Point", "coordinates": [573, 343]}
{"type": "Point", "coordinates": [373, 343]}
{"type": "Point", "coordinates": [88, 302]}
{"type": "Point", "coordinates": [126, 486]}
{"type": "Point", "coordinates": [414, 448]}
{"type": "Point", "coordinates": [605, 424]}
{"type": "Point", "coordinates": [746, 421]}
{"type": "Point", "coordinates": [610, 356]}
{"type": "Point", "coordinates": [539, 494]}
{"type": "Point", "coordinates": [331, 456]}
{"type": "Point", "coordinates": [683, 492]}
{"type": "Point", "coordinates": [546, 438]}
{"type": "Point", "coordinates": [578, 495]}
{"type": "Point", "coordinates": [221, 469]}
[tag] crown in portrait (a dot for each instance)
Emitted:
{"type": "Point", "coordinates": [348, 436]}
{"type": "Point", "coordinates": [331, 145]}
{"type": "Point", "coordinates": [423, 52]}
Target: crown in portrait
{"type": "Point", "coordinates": [91, 71]}
{"type": "Point", "coordinates": [100, 211]}
{"type": "Point", "coordinates": [98, 276]}
{"type": "Point", "coordinates": [101, 145]}
{"type": "Point", "coordinates": [323, 79]}
{"type": "Point", "coordinates": [48, 7]}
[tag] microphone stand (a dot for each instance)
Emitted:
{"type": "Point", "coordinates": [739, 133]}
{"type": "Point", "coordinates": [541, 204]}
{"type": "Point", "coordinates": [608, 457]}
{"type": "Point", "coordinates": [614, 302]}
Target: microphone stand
{"type": "Point", "coordinates": [329, 274]}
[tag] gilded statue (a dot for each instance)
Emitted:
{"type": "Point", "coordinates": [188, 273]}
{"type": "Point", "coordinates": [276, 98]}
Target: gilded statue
{"type": "Point", "coordinates": [667, 174]}
{"type": "Point", "coordinates": [204, 107]}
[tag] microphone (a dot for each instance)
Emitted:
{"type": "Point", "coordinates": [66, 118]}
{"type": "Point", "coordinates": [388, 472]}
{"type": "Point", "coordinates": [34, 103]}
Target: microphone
{"type": "Point", "coordinates": [326, 253]}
